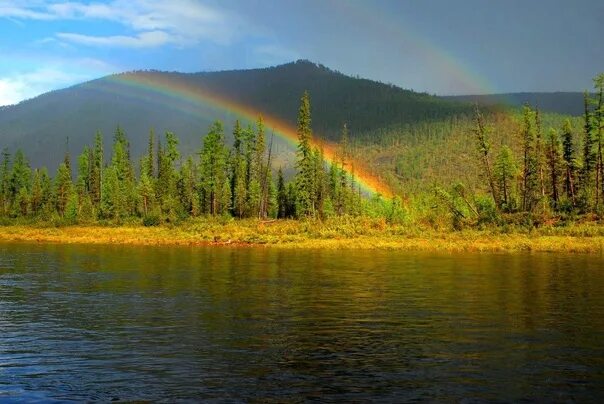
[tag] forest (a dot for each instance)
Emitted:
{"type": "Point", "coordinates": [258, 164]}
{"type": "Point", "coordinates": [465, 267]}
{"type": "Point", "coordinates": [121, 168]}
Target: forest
{"type": "Point", "coordinates": [527, 175]}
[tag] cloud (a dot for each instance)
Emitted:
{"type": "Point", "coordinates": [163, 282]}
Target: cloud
{"type": "Point", "coordinates": [142, 40]}
{"type": "Point", "coordinates": [155, 23]}
{"type": "Point", "coordinates": [22, 85]}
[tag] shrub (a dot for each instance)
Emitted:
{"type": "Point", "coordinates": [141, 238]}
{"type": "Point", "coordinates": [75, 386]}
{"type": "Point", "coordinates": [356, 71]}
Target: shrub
{"type": "Point", "coordinates": [151, 220]}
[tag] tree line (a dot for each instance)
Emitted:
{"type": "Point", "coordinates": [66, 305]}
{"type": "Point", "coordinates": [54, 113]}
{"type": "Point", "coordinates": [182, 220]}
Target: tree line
{"type": "Point", "coordinates": [552, 176]}
{"type": "Point", "coordinates": [234, 181]}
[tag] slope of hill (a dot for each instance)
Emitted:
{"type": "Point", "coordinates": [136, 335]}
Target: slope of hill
{"type": "Point", "coordinates": [41, 125]}
{"type": "Point", "coordinates": [569, 103]}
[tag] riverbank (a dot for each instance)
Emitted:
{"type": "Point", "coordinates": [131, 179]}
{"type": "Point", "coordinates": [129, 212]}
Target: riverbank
{"type": "Point", "coordinates": [352, 234]}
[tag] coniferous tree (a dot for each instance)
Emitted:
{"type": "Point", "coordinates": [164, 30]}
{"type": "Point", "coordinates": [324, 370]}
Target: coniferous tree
{"type": "Point", "coordinates": [20, 183]}
{"type": "Point", "coordinates": [167, 178]}
{"type": "Point", "coordinates": [148, 166]}
{"type": "Point", "coordinates": [62, 189]}
{"type": "Point", "coordinates": [5, 175]}
{"type": "Point", "coordinates": [540, 157]}
{"type": "Point", "coordinates": [239, 172]}
{"type": "Point", "coordinates": [124, 175]}
{"type": "Point", "coordinates": [481, 132]}
{"type": "Point", "coordinates": [83, 185]}
{"type": "Point", "coordinates": [554, 165]}
{"type": "Point", "coordinates": [96, 170]}
{"type": "Point", "coordinates": [189, 195]}
{"type": "Point", "coordinates": [530, 179]}
{"type": "Point", "coordinates": [36, 193]}
{"type": "Point", "coordinates": [570, 167]}
{"type": "Point", "coordinates": [214, 170]}
{"type": "Point", "coordinates": [146, 191]}
{"type": "Point", "coordinates": [305, 177]}
{"type": "Point", "coordinates": [112, 196]}
{"type": "Point", "coordinates": [320, 181]}
{"type": "Point", "coordinates": [589, 159]}
{"type": "Point", "coordinates": [505, 173]}
{"type": "Point", "coordinates": [598, 123]}
{"type": "Point", "coordinates": [267, 183]}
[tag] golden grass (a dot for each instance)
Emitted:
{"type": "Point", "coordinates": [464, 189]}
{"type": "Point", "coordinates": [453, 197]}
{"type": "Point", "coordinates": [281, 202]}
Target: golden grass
{"type": "Point", "coordinates": [351, 234]}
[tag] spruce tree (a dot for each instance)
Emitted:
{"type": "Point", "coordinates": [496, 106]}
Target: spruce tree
{"type": "Point", "coordinates": [570, 167]}
{"type": "Point", "coordinates": [481, 132]}
{"type": "Point", "coordinates": [530, 180]}
{"type": "Point", "coordinates": [589, 159]}
{"type": "Point", "coordinates": [214, 170]}
{"type": "Point", "coordinates": [5, 182]}
{"type": "Point", "coordinates": [20, 183]}
{"type": "Point", "coordinates": [239, 171]}
{"type": "Point", "coordinates": [305, 177]}
{"type": "Point", "coordinates": [505, 173]}
{"type": "Point", "coordinates": [554, 164]}
{"type": "Point", "coordinates": [62, 189]}
{"type": "Point", "coordinates": [96, 171]}
{"type": "Point", "coordinates": [598, 123]}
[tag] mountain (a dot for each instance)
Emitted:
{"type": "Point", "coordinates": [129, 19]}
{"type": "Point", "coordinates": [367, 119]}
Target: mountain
{"type": "Point", "coordinates": [41, 126]}
{"type": "Point", "coordinates": [568, 103]}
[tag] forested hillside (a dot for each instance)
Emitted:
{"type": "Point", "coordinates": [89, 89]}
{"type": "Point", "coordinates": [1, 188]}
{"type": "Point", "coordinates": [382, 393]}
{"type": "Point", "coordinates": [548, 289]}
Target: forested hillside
{"type": "Point", "coordinates": [496, 168]}
{"type": "Point", "coordinates": [42, 125]}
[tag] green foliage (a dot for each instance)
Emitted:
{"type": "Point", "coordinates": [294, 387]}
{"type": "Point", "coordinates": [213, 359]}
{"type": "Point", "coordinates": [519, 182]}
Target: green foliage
{"type": "Point", "coordinates": [214, 171]}
{"type": "Point", "coordinates": [438, 179]}
{"type": "Point", "coordinates": [151, 220]}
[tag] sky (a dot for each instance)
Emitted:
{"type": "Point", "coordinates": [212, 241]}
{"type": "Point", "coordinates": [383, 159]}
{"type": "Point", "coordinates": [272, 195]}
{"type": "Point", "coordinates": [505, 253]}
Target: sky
{"type": "Point", "coordinates": [438, 46]}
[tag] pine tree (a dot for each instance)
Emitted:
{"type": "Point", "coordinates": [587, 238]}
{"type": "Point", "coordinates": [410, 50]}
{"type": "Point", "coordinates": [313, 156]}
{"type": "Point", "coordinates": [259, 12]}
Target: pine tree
{"type": "Point", "coordinates": [589, 159]}
{"type": "Point", "coordinates": [148, 167]}
{"type": "Point", "coordinates": [554, 164]}
{"type": "Point", "coordinates": [598, 129]}
{"type": "Point", "coordinates": [320, 181]}
{"type": "Point", "coordinates": [83, 179]}
{"type": "Point", "coordinates": [239, 172]}
{"type": "Point", "coordinates": [146, 192]}
{"type": "Point", "coordinates": [505, 172]}
{"type": "Point", "coordinates": [36, 193]}
{"type": "Point", "coordinates": [189, 195]}
{"type": "Point", "coordinates": [167, 178]}
{"type": "Point", "coordinates": [252, 185]}
{"type": "Point", "coordinates": [96, 170]}
{"type": "Point", "coordinates": [481, 132]}
{"type": "Point", "coordinates": [213, 169]}
{"type": "Point", "coordinates": [530, 180]}
{"type": "Point", "coordinates": [570, 167]}
{"type": "Point", "coordinates": [5, 182]}
{"type": "Point", "coordinates": [305, 186]}
{"type": "Point", "coordinates": [342, 178]}
{"type": "Point", "coordinates": [83, 185]}
{"type": "Point", "coordinates": [62, 188]}
{"type": "Point", "coordinates": [20, 183]}
{"type": "Point", "coordinates": [124, 185]}
{"type": "Point", "coordinates": [113, 199]}
{"type": "Point", "coordinates": [266, 182]}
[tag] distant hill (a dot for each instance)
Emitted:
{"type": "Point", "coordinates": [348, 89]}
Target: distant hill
{"type": "Point", "coordinates": [40, 126]}
{"type": "Point", "coordinates": [569, 103]}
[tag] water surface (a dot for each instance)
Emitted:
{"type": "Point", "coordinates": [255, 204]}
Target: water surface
{"type": "Point", "coordinates": [126, 323]}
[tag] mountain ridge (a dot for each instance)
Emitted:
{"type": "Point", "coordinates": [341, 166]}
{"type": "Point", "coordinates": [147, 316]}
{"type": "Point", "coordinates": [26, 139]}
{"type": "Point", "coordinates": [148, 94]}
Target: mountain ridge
{"type": "Point", "coordinates": [66, 119]}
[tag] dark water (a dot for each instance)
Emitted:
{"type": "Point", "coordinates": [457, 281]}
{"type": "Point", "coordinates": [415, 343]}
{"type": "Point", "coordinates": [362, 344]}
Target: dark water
{"type": "Point", "coordinates": [86, 323]}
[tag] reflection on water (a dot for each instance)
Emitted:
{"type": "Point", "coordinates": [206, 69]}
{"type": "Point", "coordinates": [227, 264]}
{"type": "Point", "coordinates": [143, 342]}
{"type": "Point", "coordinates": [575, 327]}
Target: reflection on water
{"type": "Point", "coordinates": [89, 322]}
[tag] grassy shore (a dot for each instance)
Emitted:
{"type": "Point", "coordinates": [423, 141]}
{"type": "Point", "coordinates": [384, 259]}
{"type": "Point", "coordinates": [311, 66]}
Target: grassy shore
{"type": "Point", "coordinates": [337, 234]}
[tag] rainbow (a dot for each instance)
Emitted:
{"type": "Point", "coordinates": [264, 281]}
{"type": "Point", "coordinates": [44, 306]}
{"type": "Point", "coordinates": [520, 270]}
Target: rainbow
{"type": "Point", "coordinates": [177, 89]}
{"type": "Point", "coordinates": [453, 67]}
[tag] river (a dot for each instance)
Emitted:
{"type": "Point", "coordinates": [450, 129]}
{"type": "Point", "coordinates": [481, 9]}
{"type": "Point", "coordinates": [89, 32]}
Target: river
{"type": "Point", "coordinates": [252, 324]}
